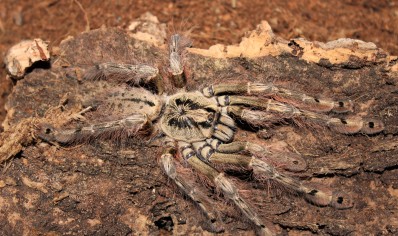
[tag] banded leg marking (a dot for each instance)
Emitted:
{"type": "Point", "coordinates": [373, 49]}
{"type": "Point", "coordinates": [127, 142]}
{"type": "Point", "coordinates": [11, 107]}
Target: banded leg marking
{"type": "Point", "coordinates": [169, 167]}
{"type": "Point", "coordinates": [299, 99]}
{"type": "Point", "coordinates": [227, 187]}
{"type": "Point", "coordinates": [349, 125]}
{"type": "Point", "coordinates": [287, 160]}
{"type": "Point", "coordinates": [224, 130]}
{"type": "Point", "coordinates": [307, 103]}
{"type": "Point", "coordinates": [114, 130]}
{"type": "Point", "coordinates": [316, 196]}
{"type": "Point", "coordinates": [276, 111]}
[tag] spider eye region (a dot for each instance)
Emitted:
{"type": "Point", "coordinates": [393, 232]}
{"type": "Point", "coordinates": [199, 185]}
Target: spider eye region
{"type": "Point", "coordinates": [189, 117]}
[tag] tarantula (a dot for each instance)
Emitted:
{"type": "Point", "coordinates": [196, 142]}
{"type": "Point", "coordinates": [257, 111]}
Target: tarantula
{"type": "Point", "coordinates": [200, 127]}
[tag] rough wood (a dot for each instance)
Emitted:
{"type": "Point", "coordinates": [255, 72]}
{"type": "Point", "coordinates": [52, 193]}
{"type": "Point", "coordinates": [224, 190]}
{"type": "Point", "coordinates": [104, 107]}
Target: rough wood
{"type": "Point", "coordinates": [106, 190]}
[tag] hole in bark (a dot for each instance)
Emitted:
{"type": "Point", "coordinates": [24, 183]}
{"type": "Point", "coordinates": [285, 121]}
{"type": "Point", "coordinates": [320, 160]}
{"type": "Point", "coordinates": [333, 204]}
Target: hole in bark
{"type": "Point", "coordinates": [39, 64]}
{"type": "Point", "coordinates": [165, 222]}
{"type": "Point", "coordinates": [313, 192]}
{"type": "Point", "coordinates": [343, 121]}
{"type": "Point", "coordinates": [341, 104]}
{"type": "Point", "coordinates": [340, 200]}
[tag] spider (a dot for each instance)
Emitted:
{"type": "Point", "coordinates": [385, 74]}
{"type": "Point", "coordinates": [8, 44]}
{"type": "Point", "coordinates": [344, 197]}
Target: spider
{"type": "Point", "coordinates": [200, 126]}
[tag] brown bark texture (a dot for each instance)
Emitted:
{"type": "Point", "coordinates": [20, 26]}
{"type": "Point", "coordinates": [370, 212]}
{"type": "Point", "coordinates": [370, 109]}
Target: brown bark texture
{"type": "Point", "coordinates": [105, 189]}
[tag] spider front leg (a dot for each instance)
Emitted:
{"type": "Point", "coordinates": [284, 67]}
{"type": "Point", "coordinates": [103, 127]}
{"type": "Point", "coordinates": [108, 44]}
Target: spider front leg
{"type": "Point", "coordinates": [303, 106]}
{"type": "Point", "coordinates": [272, 111]}
{"type": "Point", "coordinates": [115, 130]}
{"type": "Point", "coordinates": [296, 98]}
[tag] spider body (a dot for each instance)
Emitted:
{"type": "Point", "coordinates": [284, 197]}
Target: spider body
{"type": "Point", "coordinates": [201, 126]}
{"type": "Point", "coordinates": [190, 117]}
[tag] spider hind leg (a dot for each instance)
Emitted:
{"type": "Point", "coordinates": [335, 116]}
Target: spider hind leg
{"type": "Point", "coordinates": [288, 160]}
{"type": "Point", "coordinates": [169, 167]}
{"type": "Point", "coordinates": [318, 196]}
{"type": "Point", "coordinates": [226, 186]}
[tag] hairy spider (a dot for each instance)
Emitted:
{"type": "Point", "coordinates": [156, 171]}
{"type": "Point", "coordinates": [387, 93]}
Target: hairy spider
{"type": "Point", "coordinates": [200, 126]}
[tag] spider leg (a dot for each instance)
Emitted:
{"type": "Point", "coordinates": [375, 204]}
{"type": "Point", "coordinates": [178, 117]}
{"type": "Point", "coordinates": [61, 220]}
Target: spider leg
{"type": "Point", "coordinates": [261, 168]}
{"type": "Point", "coordinates": [276, 111]}
{"type": "Point", "coordinates": [170, 168]}
{"type": "Point", "coordinates": [296, 98]}
{"type": "Point", "coordinates": [289, 161]}
{"type": "Point", "coordinates": [177, 54]}
{"type": "Point", "coordinates": [117, 129]}
{"type": "Point", "coordinates": [224, 184]}
{"type": "Point", "coordinates": [125, 73]}
{"type": "Point", "coordinates": [302, 106]}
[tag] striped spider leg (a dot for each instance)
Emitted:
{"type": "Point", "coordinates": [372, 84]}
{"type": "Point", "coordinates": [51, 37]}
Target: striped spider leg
{"type": "Point", "coordinates": [278, 103]}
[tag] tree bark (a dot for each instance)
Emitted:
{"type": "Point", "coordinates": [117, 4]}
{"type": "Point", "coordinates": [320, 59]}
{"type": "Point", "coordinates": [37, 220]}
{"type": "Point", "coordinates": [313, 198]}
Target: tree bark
{"type": "Point", "coordinates": [102, 189]}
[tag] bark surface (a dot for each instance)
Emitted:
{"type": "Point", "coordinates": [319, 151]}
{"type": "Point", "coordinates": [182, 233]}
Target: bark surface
{"type": "Point", "coordinates": [102, 189]}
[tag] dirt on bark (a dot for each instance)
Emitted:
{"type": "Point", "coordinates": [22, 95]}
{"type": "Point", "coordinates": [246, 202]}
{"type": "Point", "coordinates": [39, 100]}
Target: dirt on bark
{"type": "Point", "coordinates": [103, 189]}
